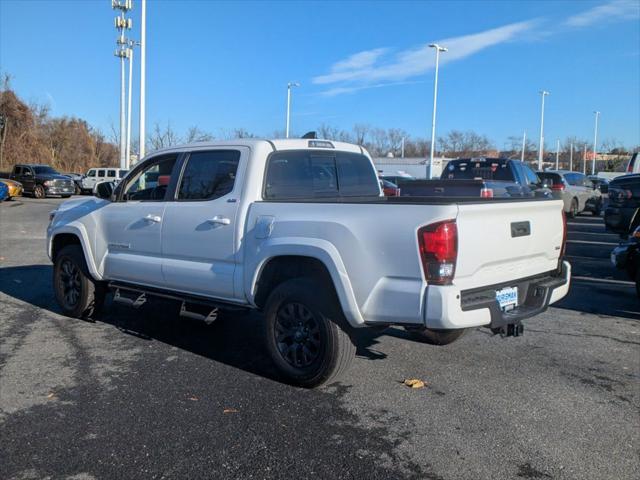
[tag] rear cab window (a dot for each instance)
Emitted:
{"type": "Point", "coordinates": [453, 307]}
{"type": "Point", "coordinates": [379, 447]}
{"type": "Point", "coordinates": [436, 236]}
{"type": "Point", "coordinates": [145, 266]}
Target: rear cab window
{"type": "Point", "coordinates": [478, 169]}
{"type": "Point", "coordinates": [310, 174]}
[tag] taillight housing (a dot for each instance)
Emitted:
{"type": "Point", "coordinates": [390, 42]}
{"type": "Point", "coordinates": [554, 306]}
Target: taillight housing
{"type": "Point", "coordinates": [557, 186]}
{"type": "Point", "coordinates": [486, 192]}
{"type": "Point", "coordinates": [438, 244]}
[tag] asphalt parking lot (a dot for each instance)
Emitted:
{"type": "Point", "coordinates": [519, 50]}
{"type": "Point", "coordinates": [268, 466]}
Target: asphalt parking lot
{"type": "Point", "coordinates": [143, 394]}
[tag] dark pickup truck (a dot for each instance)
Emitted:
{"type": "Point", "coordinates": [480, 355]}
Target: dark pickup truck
{"type": "Point", "coordinates": [42, 181]}
{"type": "Point", "coordinates": [622, 214]}
{"type": "Point", "coordinates": [480, 177]}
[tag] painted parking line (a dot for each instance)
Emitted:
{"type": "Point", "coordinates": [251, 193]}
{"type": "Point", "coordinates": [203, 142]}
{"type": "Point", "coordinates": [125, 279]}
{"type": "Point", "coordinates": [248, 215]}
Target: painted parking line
{"type": "Point", "coordinates": [603, 280]}
{"type": "Point", "coordinates": [589, 242]}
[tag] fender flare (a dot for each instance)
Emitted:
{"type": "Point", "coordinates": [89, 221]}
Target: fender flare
{"type": "Point", "coordinates": [80, 232]}
{"type": "Point", "coordinates": [318, 249]}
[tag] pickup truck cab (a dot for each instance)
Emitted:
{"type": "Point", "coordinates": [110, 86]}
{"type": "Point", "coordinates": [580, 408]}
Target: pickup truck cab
{"type": "Point", "coordinates": [299, 229]}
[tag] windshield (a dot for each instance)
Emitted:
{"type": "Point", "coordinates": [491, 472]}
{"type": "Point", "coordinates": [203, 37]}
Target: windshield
{"type": "Point", "coordinates": [45, 169]}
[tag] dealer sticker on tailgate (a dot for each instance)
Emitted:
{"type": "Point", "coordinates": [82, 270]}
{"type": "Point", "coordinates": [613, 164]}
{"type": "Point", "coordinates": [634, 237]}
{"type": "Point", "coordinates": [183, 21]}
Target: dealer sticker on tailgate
{"type": "Point", "coordinates": [507, 298]}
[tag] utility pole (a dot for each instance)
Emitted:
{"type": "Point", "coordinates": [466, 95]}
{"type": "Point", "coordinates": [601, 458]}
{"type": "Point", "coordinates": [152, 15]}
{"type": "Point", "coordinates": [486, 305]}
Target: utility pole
{"type": "Point", "coordinates": [122, 24]}
{"type": "Point", "coordinates": [584, 160]}
{"type": "Point", "coordinates": [289, 86]}
{"type": "Point", "coordinates": [595, 145]}
{"type": "Point", "coordinates": [571, 158]}
{"type": "Point", "coordinates": [557, 154]}
{"type": "Point", "coordinates": [402, 148]}
{"type": "Point", "coordinates": [524, 140]}
{"type": "Point", "coordinates": [544, 93]}
{"type": "Point", "coordinates": [143, 78]}
{"type": "Point", "coordinates": [435, 104]}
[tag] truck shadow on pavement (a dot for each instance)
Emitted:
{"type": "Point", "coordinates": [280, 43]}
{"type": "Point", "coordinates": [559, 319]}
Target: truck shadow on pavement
{"type": "Point", "coordinates": [234, 338]}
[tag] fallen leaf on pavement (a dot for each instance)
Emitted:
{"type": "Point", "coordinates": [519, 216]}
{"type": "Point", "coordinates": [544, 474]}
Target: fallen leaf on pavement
{"type": "Point", "coordinates": [51, 395]}
{"type": "Point", "coordinates": [193, 398]}
{"type": "Point", "coordinates": [414, 383]}
{"type": "Point", "coordinates": [230, 410]}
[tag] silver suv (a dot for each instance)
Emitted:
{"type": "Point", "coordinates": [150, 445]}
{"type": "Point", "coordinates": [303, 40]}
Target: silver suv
{"type": "Point", "coordinates": [575, 189]}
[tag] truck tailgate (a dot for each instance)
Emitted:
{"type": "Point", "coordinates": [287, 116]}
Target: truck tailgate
{"type": "Point", "coordinates": [500, 242]}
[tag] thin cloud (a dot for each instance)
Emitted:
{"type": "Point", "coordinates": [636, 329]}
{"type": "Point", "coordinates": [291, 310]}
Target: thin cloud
{"type": "Point", "coordinates": [332, 92]}
{"type": "Point", "coordinates": [366, 67]}
{"type": "Point", "coordinates": [614, 10]}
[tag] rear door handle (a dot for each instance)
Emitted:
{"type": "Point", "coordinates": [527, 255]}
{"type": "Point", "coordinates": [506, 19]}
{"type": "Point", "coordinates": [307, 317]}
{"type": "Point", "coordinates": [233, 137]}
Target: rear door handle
{"type": "Point", "coordinates": [219, 220]}
{"type": "Point", "coordinates": [153, 218]}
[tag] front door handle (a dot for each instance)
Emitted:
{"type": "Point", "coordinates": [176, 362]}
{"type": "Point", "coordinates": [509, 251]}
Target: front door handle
{"type": "Point", "coordinates": [153, 218]}
{"type": "Point", "coordinates": [219, 220]}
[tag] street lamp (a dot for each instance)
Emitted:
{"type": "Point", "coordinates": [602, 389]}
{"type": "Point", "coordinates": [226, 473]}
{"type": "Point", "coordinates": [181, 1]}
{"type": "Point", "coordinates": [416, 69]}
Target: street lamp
{"type": "Point", "coordinates": [289, 86]}
{"type": "Point", "coordinates": [595, 144]}
{"type": "Point", "coordinates": [143, 70]}
{"type": "Point", "coordinates": [435, 103]}
{"type": "Point", "coordinates": [544, 93]}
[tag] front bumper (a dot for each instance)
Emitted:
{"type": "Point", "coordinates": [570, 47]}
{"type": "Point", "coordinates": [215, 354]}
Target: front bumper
{"type": "Point", "coordinates": [448, 307]}
{"type": "Point", "coordinates": [55, 190]}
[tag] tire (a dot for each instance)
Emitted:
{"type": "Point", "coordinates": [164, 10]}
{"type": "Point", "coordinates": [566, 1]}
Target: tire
{"type": "Point", "coordinates": [306, 334]}
{"type": "Point", "coordinates": [573, 211]}
{"type": "Point", "coordinates": [436, 337]}
{"type": "Point", "coordinates": [78, 190]}
{"type": "Point", "coordinates": [638, 283]}
{"type": "Point", "coordinates": [65, 196]}
{"type": "Point", "coordinates": [38, 191]}
{"type": "Point", "coordinates": [77, 293]}
{"type": "Point", "coordinates": [598, 210]}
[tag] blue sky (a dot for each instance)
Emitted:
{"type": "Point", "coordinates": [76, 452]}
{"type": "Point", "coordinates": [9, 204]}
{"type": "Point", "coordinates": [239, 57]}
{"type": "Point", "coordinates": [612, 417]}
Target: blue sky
{"type": "Point", "coordinates": [222, 65]}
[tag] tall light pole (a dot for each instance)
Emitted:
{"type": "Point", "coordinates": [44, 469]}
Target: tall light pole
{"type": "Point", "coordinates": [122, 24]}
{"type": "Point", "coordinates": [571, 158]}
{"type": "Point", "coordinates": [130, 57]}
{"type": "Point", "coordinates": [543, 93]}
{"type": "Point", "coordinates": [435, 104]}
{"type": "Point", "coordinates": [143, 72]}
{"type": "Point", "coordinates": [595, 144]}
{"type": "Point", "coordinates": [524, 141]}
{"type": "Point", "coordinates": [558, 154]}
{"type": "Point", "coordinates": [584, 159]}
{"type": "Point", "coordinates": [289, 86]}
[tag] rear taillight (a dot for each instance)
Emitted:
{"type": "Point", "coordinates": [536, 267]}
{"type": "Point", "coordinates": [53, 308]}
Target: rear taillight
{"type": "Point", "coordinates": [486, 193]}
{"type": "Point", "coordinates": [557, 186]}
{"type": "Point", "coordinates": [438, 245]}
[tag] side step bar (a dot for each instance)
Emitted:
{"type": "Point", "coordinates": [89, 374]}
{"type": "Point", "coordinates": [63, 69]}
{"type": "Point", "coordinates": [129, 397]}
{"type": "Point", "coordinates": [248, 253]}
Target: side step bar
{"type": "Point", "coordinates": [198, 308]}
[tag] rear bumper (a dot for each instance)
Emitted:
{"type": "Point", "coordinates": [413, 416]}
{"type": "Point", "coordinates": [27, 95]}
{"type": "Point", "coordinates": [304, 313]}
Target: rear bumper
{"type": "Point", "coordinates": [450, 308]}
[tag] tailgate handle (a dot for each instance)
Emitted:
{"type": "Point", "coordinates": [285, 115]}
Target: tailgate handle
{"type": "Point", "coordinates": [520, 229]}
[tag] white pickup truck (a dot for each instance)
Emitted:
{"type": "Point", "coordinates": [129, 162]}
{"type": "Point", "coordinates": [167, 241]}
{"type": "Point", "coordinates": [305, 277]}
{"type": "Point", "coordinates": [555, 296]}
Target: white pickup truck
{"type": "Point", "coordinates": [299, 230]}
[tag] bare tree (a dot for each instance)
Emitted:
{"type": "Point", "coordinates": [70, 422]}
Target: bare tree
{"type": "Point", "coordinates": [194, 134]}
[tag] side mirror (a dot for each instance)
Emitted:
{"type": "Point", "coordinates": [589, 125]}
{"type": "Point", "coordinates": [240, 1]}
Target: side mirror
{"type": "Point", "coordinates": [104, 190]}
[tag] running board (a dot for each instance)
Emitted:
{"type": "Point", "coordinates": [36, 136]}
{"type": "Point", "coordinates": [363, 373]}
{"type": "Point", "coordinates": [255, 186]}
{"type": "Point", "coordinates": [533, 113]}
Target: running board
{"type": "Point", "coordinates": [207, 314]}
{"type": "Point", "coordinates": [135, 299]}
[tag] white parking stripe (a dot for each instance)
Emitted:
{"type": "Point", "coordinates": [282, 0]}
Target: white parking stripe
{"type": "Point", "coordinates": [589, 242]}
{"type": "Point", "coordinates": [603, 280]}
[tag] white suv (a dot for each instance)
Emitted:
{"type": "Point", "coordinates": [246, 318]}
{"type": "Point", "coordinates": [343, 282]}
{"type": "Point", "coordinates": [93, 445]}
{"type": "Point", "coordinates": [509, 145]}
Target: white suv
{"type": "Point", "coordinates": [98, 175]}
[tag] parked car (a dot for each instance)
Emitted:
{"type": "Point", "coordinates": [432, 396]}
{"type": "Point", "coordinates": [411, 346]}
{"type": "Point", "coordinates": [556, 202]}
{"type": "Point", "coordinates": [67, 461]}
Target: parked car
{"type": "Point", "coordinates": [98, 175]}
{"type": "Point", "coordinates": [480, 177]}
{"type": "Point", "coordinates": [77, 180]}
{"type": "Point", "coordinates": [634, 163]}
{"type": "Point", "coordinates": [42, 180]}
{"type": "Point", "coordinates": [626, 256]}
{"type": "Point", "coordinates": [389, 189]}
{"type": "Point", "coordinates": [14, 188]}
{"type": "Point", "coordinates": [4, 192]}
{"type": "Point", "coordinates": [397, 179]}
{"type": "Point", "coordinates": [621, 215]}
{"type": "Point", "coordinates": [600, 183]}
{"type": "Point", "coordinates": [575, 190]}
{"type": "Point", "coordinates": [299, 229]}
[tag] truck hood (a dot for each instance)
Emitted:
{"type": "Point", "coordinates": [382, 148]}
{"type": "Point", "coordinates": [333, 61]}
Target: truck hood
{"type": "Point", "coordinates": [81, 206]}
{"type": "Point", "coordinates": [51, 176]}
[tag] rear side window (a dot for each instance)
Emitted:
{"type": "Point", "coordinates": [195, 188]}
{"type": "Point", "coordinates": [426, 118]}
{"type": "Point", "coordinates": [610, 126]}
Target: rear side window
{"type": "Point", "coordinates": [310, 174]}
{"type": "Point", "coordinates": [111, 173]}
{"type": "Point", "coordinates": [100, 173]}
{"type": "Point", "coordinates": [209, 175]}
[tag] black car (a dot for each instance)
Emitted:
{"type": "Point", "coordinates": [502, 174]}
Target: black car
{"type": "Point", "coordinates": [621, 215]}
{"type": "Point", "coordinates": [626, 256]}
{"type": "Point", "coordinates": [600, 183]}
{"type": "Point", "coordinates": [42, 180]}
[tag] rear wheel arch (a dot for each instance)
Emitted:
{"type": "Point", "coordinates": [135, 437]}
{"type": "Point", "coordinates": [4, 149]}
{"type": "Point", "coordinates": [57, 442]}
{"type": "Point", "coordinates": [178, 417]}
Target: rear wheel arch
{"type": "Point", "coordinates": [280, 269]}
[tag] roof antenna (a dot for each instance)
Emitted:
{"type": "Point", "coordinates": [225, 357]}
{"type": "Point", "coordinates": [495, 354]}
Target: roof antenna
{"type": "Point", "coordinates": [310, 135]}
